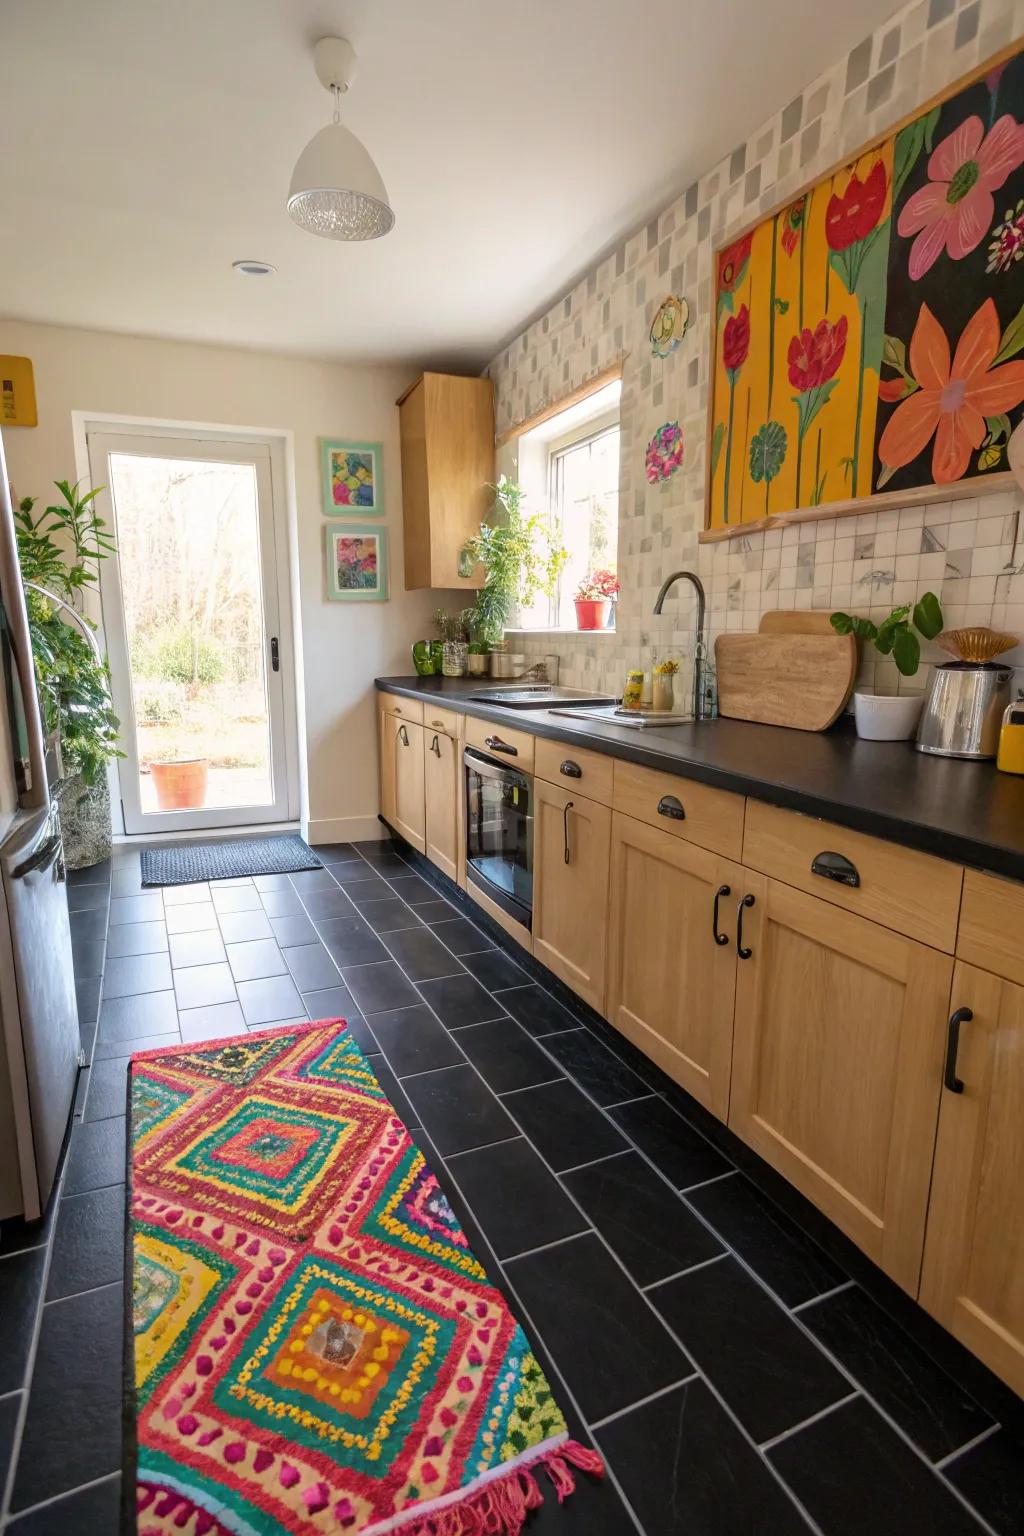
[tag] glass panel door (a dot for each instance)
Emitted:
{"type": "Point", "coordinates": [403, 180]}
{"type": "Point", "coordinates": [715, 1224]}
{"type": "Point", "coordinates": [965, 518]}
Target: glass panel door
{"type": "Point", "coordinates": [191, 618]}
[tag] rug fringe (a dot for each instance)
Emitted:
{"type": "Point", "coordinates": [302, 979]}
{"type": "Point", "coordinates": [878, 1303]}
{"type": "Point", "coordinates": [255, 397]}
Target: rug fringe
{"type": "Point", "coordinates": [500, 1508]}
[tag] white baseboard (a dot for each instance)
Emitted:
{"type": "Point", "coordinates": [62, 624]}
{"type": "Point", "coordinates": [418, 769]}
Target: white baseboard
{"type": "Point", "coordinates": [345, 829]}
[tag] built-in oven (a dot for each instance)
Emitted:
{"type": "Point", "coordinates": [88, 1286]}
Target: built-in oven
{"type": "Point", "coordinates": [499, 833]}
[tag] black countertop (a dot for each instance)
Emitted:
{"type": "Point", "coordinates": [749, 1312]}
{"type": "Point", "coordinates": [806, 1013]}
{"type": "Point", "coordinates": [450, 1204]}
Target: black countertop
{"type": "Point", "coordinates": [957, 810]}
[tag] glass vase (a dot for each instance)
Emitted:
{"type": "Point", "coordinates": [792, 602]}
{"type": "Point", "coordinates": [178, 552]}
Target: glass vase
{"type": "Point", "coordinates": [455, 659]}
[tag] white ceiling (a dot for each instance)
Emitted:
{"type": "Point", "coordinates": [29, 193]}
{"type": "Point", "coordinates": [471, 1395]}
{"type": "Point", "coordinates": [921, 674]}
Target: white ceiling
{"type": "Point", "coordinates": [149, 143]}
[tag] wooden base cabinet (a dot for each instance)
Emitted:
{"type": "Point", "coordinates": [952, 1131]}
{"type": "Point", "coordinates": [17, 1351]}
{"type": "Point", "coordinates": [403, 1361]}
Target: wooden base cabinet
{"type": "Point", "coordinates": [571, 838]}
{"type": "Point", "coordinates": [837, 1065]}
{"type": "Point", "coordinates": [441, 754]}
{"type": "Point", "coordinates": [670, 984]}
{"type": "Point", "coordinates": [401, 778]}
{"type": "Point", "coordinates": [973, 1277]}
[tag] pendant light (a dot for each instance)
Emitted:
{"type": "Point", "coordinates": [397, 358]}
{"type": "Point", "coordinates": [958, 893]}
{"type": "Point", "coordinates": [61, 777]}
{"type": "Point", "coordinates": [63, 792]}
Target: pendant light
{"type": "Point", "coordinates": [336, 189]}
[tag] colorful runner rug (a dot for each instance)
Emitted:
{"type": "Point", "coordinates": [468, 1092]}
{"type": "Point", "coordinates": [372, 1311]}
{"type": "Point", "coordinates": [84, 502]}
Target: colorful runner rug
{"type": "Point", "coordinates": [316, 1350]}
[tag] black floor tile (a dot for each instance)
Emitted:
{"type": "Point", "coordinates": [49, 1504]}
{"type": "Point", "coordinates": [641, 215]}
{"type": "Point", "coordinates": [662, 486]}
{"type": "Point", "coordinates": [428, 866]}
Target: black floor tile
{"type": "Point", "coordinates": [229, 897]}
{"type": "Point", "coordinates": [388, 915]}
{"type": "Point", "coordinates": [205, 948]}
{"type": "Point", "coordinates": [91, 874]}
{"type": "Point", "coordinates": [184, 895]}
{"type": "Point", "coordinates": [505, 1056]}
{"type": "Point", "coordinates": [434, 912]}
{"type": "Point", "coordinates": [515, 1199]}
{"type": "Point", "coordinates": [382, 856]}
{"type": "Point", "coordinates": [105, 1049]}
{"type": "Point", "coordinates": [896, 1373]}
{"type": "Point", "coordinates": [598, 1072]}
{"type": "Point", "coordinates": [135, 974]}
{"type": "Point", "coordinates": [412, 889]}
{"type": "Point", "coordinates": [673, 1146]}
{"type": "Point", "coordinates": [87, 955]}
{"type": "Point", "coordinates": [565, 1127]}
{"type": "Point", "coordinates": [332, 903]}
{"type": "Point", "coordinates": [137, 939]}
{"type": "Point", "coordinates": [97, 1155]}
{"type": "Point", "coordinates": [306, 881]}
{"type": "Point", "coordinates": [21, 1275]}
{"type": "Point", "coordinates": [349, 941]}
{"type": "Point", "coordinates": [397, 1097]}
{"type": "Point", "coordinates": [460, 1000]}
{"type": "Point", "coordinates": [379, 988]}
{"type": "Point", "coordinates": [651, 1230]}
{"type": "Point", "coordinates": [991, 1477]}
{"type": "Point", "coordinates": [362, 884]}
{"type": "Point", "coordinates": [245, 927]}
{"type": "Point", "coordinates": [752, 1351]}
{"type": "Point", "coordinates": [89, 926]}
{"type": "Point", "coordinates": [107, 1086]}
{"type": "Point", "coordinates": [218, 1021]}
{"type": "Point", "coordinates": [282, 903]}
{"type": "Point", "coordinates": [460, 935]}
{"type": "Point", "coordinates": [145, 908]}
{"type": "Point", "coordinates": [312, 968]}
{"type": "Point", "coordinates": [595, 1508]}
{"type": "Point", "coordinates": [335, 853]}
{"type": "Point", "coordinates": [292, 931]}
{"type": "Point", "coordinates": [413, 1040]}
{"type": "Point", "coordinates": [494, 970]}
{"type": "Point", "coordinates": [92, 1511]}
{"type": "Point", "coordinates": [265, 883]}
{"type": "Point", "coordinates": [201, 986]}
{"type": "Point", "coordinates": [127, 1018]}
{"type": "Point", "coordinates": [421, 955]}
{"type": "Point", "coordinates": [337, 1003]}
{"type": "Point", "coordinates": [88, 1244]}
{"type": "Point", "coordinates": [256, 958]}
{"type": "Point", "coordinates": [83, 898]}
{"type": "Point", "coordinates": [605, 1340]}
{"type": "Point", "coordinates": [853, 1474]}
{"type": "Point", "coordinates": [87, 1036]}
{"type": "Point", "coordinates": [537, 1011]}
{"type": "Point", "coordinates": [194, 917]}
{"type": "Point", "coordinates": [73, 1428]}
{"type": "Point", "coordinates": [688, 1471]}
{"type": "Point", "coordinates": [789, 1263]}
{"type": "Point", "coordinates": [87, 995]}
{"type": "Point", "coordinates": [458, 1111]}
{"type": "Point", "coordinates": [10, 1407]}
{"type": "Point", "coordinates": [266, 1001]}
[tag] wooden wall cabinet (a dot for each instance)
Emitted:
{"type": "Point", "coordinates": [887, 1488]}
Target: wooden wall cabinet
{"type": "Point", "coordinates": [447, 437]}
{"type": "Point", "coordinates": [571, 843]}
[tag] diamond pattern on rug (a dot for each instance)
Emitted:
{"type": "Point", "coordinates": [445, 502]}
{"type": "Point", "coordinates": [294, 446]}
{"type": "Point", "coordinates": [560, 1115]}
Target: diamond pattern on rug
{"type": "Point", "coordinates": [316, 1348]}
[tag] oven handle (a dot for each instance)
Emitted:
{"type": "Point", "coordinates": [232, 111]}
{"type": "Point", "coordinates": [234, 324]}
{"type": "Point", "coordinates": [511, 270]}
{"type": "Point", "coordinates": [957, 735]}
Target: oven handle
{"type": "Point", "coordinates": [489, 769]}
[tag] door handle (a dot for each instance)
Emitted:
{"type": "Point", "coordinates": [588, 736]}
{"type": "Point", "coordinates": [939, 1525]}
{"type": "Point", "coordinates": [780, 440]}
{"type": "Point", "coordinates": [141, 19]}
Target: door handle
{"type": "Point", "coordinates": [496, 744]}
{"type": "Point", "coordinates": [565, 825]}
{"type": "Point", "coordinates": [744, 952]}
{"type": "Point", "coordinates": [434, 747]}
{"type": "Point", "coordinates": [720, 938]}
{"type": "Point", "coordinates": [669, 806]}
{"type": "Point", "coordinates": [403, 735]}
{"type": "Point", "coordinates": [949, 1077]}
{"type": "Point", "coordinates": [41, 859]}
{"type": "Point", "coordinates": [275, 654]}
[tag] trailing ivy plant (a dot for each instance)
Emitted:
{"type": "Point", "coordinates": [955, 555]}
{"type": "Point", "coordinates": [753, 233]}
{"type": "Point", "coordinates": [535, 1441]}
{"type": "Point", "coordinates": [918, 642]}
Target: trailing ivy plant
{"type": "Point", "coordinates": [519, 558]}
{"type": "Point", "coordinates": [897, 634]}
{"type": "Point", "coordinates": [60, 549]}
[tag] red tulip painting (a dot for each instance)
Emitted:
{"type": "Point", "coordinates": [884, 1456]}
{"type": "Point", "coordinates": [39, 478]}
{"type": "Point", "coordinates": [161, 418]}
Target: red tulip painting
{"type": "Point", "coordinates": [869, 336]}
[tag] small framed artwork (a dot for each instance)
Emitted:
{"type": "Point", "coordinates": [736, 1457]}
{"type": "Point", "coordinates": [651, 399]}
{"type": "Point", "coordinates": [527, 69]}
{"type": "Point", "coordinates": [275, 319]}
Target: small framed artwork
{"type": "Point", "coordinates": [357, 563]}
{"type": "Point", "coordinates": [353, 479]}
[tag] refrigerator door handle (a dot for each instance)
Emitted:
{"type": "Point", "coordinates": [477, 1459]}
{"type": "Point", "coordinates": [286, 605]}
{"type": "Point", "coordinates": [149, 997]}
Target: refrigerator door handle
{"type": "Point", "coordinates": [13, 597]}
{"type": "Point", "coordinates": [41, 859]}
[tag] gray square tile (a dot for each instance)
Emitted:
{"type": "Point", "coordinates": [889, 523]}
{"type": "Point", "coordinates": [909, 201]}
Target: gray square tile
{"type": "Point", "coordinates": [243, 927]}
{"type": "Point", "coordinates": [147, 907]}
{"type": "Point", "coordinates": [136, 939]}
{"type": "Point", "coordinates": [205, 948]}
{"type": "Point", "coordinates": [259, 958]}
{"type": "Point", "coordinates": [130, 974]}
{"type": "Point", "coordinates": [127, 1018]}
{"type": "Point", "coordinates": [236, 898]}
{"type": "Point", "coordinates": [215, 1022]}
{"type": "Point", "coordinates": [191, 918]}
{"type": "Point", "coordinates": [183, 895]}
{"type": "Point", "coordinates": [270, 999]}
{"type": "Point", "coordinates": [201, 985]}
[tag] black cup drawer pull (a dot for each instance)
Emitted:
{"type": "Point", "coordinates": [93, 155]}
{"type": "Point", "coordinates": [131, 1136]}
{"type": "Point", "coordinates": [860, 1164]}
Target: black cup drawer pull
{"type": "Point", "coordinates": [495, 744]}
{"type": "Point", "coordinates": [835, 866]}
{"type": "Point", "coordinates": [403, 735]}
{"type": "Point", "coordinates": [744, 951]}
{"type": "Point", "coordinates": [720, 938]}
{"type": "Point", "coordinates": [669, 806]}
{"type": "Point", "coordinates": [949, 1077]}
{"type": "Point", "coordinates": [570, 769]}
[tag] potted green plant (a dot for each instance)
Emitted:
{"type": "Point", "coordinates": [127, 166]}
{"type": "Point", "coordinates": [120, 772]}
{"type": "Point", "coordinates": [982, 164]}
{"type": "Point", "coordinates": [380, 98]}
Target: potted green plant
{"type": "Point", "coordinates": [74, 687]}
{"type": "Point", "coordinates": [519, 558]}
{"type": "Point", "coordinates": [892, 717]}
{"type": "Point", "coordinates": [593, 599]}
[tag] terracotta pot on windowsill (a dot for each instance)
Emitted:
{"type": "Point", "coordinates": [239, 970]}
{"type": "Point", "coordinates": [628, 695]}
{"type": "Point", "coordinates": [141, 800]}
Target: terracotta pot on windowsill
{"type": "Point", "coordinates": [592, 613]}
{"type": "Point", "coordinates": [180, 785]}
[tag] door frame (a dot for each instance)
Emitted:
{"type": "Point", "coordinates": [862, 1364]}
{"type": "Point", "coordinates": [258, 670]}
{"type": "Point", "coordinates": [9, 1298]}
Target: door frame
{"type": "Point", "coordinates": [278, 448]}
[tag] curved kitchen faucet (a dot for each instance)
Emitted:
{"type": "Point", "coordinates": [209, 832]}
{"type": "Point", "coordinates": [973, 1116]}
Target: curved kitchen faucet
{"type": "Point", "coordinates": [699, 649]}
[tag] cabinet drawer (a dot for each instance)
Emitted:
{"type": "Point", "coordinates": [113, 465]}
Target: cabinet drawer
{"type": "Point", "coordinates": [910, 892]}
{"type": "Point", "coordinates": [713, 818]}
{"type": "Point", "coordinates": [574, 768]}
{"type": "Point", "coordinates": [992, 925]}
{"type": "Point", "coordinates": [405, 709]}
{"type": "Point", "coordinates": [500, 742]}
{"type": "Point", "coordinates": [437, 719]}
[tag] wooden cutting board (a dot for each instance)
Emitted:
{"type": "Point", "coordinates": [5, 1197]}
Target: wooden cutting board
{"type": "Point", "coordinates": [795, 679]}
{"type": "Point", "coordinates": [795, 621]}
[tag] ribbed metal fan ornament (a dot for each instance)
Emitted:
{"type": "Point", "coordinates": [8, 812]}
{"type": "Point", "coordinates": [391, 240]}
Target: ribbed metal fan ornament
{"type": "Point", "coordinates": [975, 645]}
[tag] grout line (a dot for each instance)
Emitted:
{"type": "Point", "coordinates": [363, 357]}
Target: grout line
{"type": "Point", "coordinates": [559, 1242]}
{"type": "Point", "coordinates": [637, 1098]}
{"type": "Point", "coordinates": [507, 1093]}
{"type": "Point", "coordinates": [57, 1498]}
{"type": "Point", "coordinates": [689, 1270]}
{"type": "Point", "coordinates": [823, 1413]}
{"type": "Point", "coordinates": [14, 1392]}
{"type": "Point", "coordinates": [716, 1179]}
{"type": "Point", "coordinates": [594, 1161]}
{"type": "Point", "coordinates": [968, 1445]}
{"type": "Point", "coordinates": [14, 1253]}
{"type": "Point", "coordinates": [89, 1290]}
{"type": "Point", "coordinates": [812, 1301]}
{"type": "Point", "coordinates": [642, 1402]}
{"type": "Point", "coordinates": [426, 1070]}
{"type": "Point", "coordinates": [484, 1146]}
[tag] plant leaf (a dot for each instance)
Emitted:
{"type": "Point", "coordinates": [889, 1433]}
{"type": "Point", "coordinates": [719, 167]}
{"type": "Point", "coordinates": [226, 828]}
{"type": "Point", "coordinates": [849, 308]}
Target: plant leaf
{"type": "Point", "coordinates": [894, 352]}
{"type": "Point", "coordinates": [1012, 339]}
{"type": "Point", "coordinates": [767, 451]}
{"type": "Point", "coordinates": [782, 306]}
{"type": "Point", "coordinates": [928, 616]}
{"type": "Point", "coordinates": [888, 470]}
{"type": "Point", "coordinates": [906, 650]}
{"type": "Point", "coordinates": [841, 623]}
{"type": "Point", "coordinates": [717, 439]}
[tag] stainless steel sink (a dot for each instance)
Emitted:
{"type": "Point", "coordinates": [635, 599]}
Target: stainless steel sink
{"type": "Point", "coordinates": [614, 714]}
{"type": "Point", "coordinates": [538, 696]}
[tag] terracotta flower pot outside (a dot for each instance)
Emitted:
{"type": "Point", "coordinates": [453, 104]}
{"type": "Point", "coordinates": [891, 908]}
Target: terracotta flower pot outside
{"type": "Point", "coordinates": [181, 785]}
{"type": "Point", "coordinates": [592, 613]}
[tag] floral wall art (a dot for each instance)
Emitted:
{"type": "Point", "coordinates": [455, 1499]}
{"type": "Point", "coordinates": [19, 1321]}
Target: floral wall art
{"type": "Point", "coordinates": [869, 337]}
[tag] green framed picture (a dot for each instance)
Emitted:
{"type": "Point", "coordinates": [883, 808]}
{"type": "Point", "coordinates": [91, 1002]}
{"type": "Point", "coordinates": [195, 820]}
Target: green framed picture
{"type": "Point", "coordinates": [357, 563]}
{"type": "Point", "coordinates": [352, 476]}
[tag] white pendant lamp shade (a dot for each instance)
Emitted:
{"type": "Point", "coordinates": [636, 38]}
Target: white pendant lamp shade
{"type": "Point", "coordinates": [336, 189]}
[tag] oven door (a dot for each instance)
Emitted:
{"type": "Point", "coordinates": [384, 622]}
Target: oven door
{"type": "Point", "coordinates": [499, 833]}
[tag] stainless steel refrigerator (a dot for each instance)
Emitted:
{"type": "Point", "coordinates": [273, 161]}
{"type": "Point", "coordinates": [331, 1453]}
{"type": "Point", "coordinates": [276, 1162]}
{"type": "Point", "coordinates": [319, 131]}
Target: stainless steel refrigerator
{"type": "Point", "coordinates": [40, 1045]}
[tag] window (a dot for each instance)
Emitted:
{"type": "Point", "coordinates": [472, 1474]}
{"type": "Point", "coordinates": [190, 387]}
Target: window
{"type": "Point", "coordinates": [569, 471]}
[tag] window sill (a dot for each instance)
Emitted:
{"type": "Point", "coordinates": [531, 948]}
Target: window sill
{"type": "Point", "coordinates": [588, 634]}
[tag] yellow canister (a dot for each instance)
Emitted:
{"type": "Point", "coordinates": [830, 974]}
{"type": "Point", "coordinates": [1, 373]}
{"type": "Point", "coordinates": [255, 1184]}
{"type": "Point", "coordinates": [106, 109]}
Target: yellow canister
{"type": "Point", "coordinates": [632, 694]}
{"type": "Point", "coordinates": [1011, 739]}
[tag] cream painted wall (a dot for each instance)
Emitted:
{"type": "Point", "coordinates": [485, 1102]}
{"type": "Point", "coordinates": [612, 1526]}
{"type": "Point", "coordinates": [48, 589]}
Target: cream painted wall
{"type": "Point", "coordinates": [344, 645]}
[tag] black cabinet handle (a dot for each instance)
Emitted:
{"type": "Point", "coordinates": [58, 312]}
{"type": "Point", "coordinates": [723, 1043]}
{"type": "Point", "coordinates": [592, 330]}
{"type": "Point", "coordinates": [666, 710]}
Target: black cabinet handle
{"type": "Point", "coordinates": [275, 654]}
{"type": "Point", "coordinates": [669, 806]}
{"type": "Point", "coordinates": [403, 735]}
{"type": "Point", "coordinates": [497, 745]}
{"type": "Point", "coordinates": [565, 825]}
{"type": "Point", "coordinates": [434, 746]}
{"type": "Point", "coordinates": [949, 1077]}
{"type": "Point", "coordinates": [744, 952]}
{"type": "Point", "coordinates": [835, 866]}
{"type": "Point", "coordinates": [720, 938]}
{"type": "Point", "coordinates": [570, 769]}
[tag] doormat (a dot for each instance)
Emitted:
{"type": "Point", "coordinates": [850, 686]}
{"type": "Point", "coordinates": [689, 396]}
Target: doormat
{"type": "Point", "coordinates": [228, 860]}
{"type": "Point", "coordinates": [315, 1346]}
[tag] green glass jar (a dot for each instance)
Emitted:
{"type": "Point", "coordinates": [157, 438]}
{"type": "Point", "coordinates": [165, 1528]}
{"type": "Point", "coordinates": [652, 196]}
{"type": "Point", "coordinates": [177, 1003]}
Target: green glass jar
{"type": "Point", "coordinates": [423, 658]}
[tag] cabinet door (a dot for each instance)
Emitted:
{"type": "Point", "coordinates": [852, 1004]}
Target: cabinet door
{"type": "Point", "coordinates": [837, 1065]}
{"type": "Point", "coordinates": [402, 778]}
{"type": "Point", "coordinates": [973, 1277]}
{"type": "Point", "coordinates": [441, 783]}
{"type": "Point", "coordinates": [387, 727]}
{"type": "Point", "coordinates": [670, 985]}
{"type": "Point", "coordinates": [571, 837]}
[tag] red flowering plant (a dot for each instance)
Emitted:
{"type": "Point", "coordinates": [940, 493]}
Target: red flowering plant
{"type": "Point", "coordinates": [813, 361]}
{"type": "Point", "coordinates": [853, 220]}
{"type": "Point", "coordinates": [735, 349]}
{"type": "Point", "coordinates": [732, 269]}
{"type": "Point", "coordinates": [596, 586]}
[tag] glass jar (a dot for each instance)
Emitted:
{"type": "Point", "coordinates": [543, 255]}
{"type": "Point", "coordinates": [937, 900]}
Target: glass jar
{"type": "Point", "coordinates": [455, 658]}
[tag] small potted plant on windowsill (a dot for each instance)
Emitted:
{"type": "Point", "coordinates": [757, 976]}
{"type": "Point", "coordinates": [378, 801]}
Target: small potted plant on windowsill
{"type": "Point", "coordinates": [892, 717]}
{"type": "Point", "coordinates": [593, 599]}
